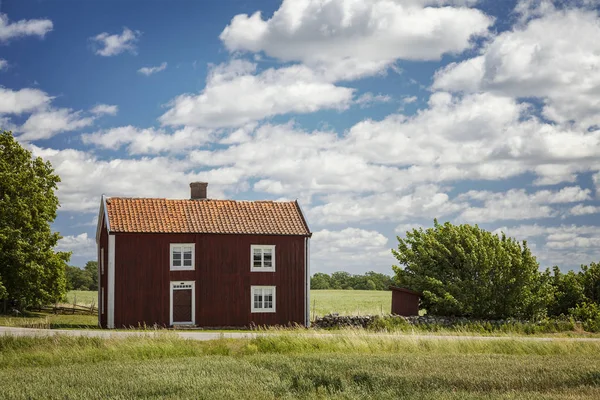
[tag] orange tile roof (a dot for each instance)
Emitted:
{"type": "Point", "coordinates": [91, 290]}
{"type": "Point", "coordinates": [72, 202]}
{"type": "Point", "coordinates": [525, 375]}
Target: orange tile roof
{"type": "Point", "coordinates": [205, 216]}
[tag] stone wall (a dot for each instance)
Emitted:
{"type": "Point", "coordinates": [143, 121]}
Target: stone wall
{"type": "Point", "coordinates": [341, 321]}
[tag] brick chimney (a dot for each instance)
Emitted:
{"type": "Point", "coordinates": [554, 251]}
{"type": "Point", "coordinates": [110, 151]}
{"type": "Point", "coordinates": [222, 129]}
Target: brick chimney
{"type": "Point", "coordinates": [198, 190]}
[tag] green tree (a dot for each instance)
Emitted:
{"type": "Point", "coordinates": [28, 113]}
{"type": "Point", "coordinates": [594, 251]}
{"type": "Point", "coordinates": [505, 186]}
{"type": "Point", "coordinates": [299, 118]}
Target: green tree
{"type": "Point", "coordinates": [568, 292]}
{"type": "Point", "coordinates": [320, 281]}
{"type": "Point", "coordinates": [590, 279]}
{"type": "Point", "coordinates": [91, 267]}
{"type": "Point", "coordinates": [31, 272]}
{"type": "Point", "coordinates": [78, 278]}
{"type": "Point", "coordinates": [341, 280]}
{"type": "Point", "coordinates": [467, 271]}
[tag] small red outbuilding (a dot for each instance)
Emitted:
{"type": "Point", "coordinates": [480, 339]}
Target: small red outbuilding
{"type": "Point", "coordinates": [405, 302]}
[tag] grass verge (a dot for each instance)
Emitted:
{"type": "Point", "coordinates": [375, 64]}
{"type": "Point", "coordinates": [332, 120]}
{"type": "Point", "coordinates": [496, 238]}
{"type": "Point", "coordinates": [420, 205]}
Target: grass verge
{"type": "Point", "coordinates": [348, 366]}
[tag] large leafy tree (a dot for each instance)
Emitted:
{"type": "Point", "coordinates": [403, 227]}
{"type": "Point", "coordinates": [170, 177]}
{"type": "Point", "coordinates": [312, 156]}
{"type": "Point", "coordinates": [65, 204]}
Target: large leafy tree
{"type": "Point", "coordinates": [467, 271]}
{"type": "Point", "coordinates": [31, 272]}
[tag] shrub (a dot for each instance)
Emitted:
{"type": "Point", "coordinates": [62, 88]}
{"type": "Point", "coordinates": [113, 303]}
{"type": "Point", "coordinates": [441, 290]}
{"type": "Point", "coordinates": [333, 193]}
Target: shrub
{"type": "Point", "coordinates": [589, 315]}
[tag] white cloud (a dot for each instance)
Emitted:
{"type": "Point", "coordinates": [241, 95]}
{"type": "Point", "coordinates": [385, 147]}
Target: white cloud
{"type": "Point", "coordinates": [352, 250]}
{"type": "Point", "coordinates": [409, 100]}
{"type": "Point", "coordinates": [104, 109]}
{"type": "Point", "coordinates": [152, 70]}
{"type": "Point", "coordinates": [580, 209]}
{"type": "Point", "coordinates": [25, 27]}
{"type": "Point", "coordinates": [3, 64]}
{"type": "Point", "coordinates": [84, 178]}
{"type": "Point", "coordinates": [111, 45]}
{"type": "Point", "coordinates": [555, 57]}
{"type": "Point", "coordinates": [46, 124]}
{"type": "Point", "coordinates": [235, 95]}
{"type": "Point", "coordinates": [20, 101]}
{"type": "Point", "coordinates": [369, 99]}
{"type": "Point", "coordinates": [565, 245]}
{"type": "Point", "coordinates": [81, 245]}
{"type": "Point", "coordinates": [364, 37]}
{"type": "Point", "coordinates": [427, 201]}
{"type": "Point", "coordinates": [148, 141]}
{"type": "Point", "coordinates": [516, 204]}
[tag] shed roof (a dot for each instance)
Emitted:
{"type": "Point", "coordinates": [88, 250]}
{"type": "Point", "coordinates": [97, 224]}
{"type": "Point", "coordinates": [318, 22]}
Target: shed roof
{"type": "Point", "coordinates": [143, 215]}
{"type": "Point", "coordinates": [405, 290]}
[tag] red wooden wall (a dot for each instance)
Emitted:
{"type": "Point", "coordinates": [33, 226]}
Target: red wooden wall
{"type": "Point", "coordinates": [222, 275]}
{"type": "Point", "coordinates": [405, 302]}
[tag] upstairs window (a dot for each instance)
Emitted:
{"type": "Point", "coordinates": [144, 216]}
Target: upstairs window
{"type": "Point", "coordinates": [182, 256]}
{"type": "Point", "coordinates": [263, 258]}
{"type": "Point", "coordinates": [263, 299]}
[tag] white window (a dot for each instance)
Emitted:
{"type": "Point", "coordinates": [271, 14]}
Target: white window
{"type": "Point", "coordinates": [263, 258]}
{"type": "Point", "coordinates": [263, 299]}
{"type": "Point", "coordinates": [182, 256]}
{"type": "Point", "coordinates": [102, 261]}
{"type": "Point", "coordinates": [102, 301]}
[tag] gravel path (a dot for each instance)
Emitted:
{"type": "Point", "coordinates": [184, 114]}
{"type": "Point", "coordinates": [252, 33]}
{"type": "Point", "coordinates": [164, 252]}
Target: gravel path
{"type": "Point", "coordinates": [203, 335]}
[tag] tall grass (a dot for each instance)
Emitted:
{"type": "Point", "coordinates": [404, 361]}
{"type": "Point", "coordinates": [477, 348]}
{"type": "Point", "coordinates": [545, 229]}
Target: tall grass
{"type": "Point", "coordinates": [350, 366]}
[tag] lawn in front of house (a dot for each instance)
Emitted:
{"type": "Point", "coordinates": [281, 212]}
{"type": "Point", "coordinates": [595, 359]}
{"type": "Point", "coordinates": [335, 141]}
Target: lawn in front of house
{"type": "Point", "coordinates": [349, 366]}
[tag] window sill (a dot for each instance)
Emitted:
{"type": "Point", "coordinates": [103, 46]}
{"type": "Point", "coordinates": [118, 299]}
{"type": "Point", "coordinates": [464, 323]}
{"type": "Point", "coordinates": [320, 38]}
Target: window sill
{"type": "Point", "coordinates": [261, 311]}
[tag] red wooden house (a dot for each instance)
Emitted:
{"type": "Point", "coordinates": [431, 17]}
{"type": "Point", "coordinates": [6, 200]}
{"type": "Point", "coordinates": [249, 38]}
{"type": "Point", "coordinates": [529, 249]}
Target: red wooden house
{"type": "Point", "coordinates": [203, 262]}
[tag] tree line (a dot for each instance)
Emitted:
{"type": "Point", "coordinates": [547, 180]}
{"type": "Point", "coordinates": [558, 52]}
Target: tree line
{"type": "Point", "coordinates": [85, 278]}
{"type": "Point", "coordinates": [469, 272]}
{"type": "Point", "coordinates": [343, 280]}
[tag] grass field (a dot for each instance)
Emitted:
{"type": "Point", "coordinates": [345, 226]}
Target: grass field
{"type": "Point", "coordinates": [350, 302]}
{"type": "Point", "coordinates": [84, 297]}
{"type": "Point", "coordinates": [349, 366]}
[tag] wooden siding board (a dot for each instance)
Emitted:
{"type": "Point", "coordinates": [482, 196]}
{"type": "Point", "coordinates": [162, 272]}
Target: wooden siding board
{"type": "Point", "coordinates": [222, 275]}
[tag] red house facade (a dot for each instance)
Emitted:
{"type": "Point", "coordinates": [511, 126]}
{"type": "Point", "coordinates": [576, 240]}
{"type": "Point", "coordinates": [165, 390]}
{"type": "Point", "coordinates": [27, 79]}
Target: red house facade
{"type": "Point", "coordinates": [202, 262]}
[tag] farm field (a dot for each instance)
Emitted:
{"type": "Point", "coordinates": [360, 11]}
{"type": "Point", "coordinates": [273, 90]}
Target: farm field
{"type": "Point", "coordinates": [289, 366]}
{"type": "Point", "coordinates": [343, 302]}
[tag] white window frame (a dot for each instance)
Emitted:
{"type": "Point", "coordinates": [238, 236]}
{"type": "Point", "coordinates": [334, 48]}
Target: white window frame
{"type": "Point", "coordinates": [102, 301]}
{"type": "Point", "coordinates": [262, 309]}
{"type": "Point", "coordinates": [182, 267]}
{"type": "Point", "coordinates": [172, 288]}
{"type": "Point", "coordinates": [262, 247]}
{"type": "Point", "coordinates": [101, 261]}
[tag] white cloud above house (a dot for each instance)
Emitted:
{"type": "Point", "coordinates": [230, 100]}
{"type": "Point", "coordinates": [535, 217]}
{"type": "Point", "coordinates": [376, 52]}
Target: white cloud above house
{"type": "Point", "coordinates": [107, 45]}
{"type": "Point", "coordinates": [554, 57]}
{"type": "Point", "coordinates": [105, 109]}
{"type": "Point", "coordinates": [23, 28]}
{"type": "Point", "coordinates": [236, 94]}
{"type": "Point", "coordinates": [152, 70]}
{"type": "Point", "coordinates": [21, 101]}
{"type": "Point", "coordinates": [369, 36]}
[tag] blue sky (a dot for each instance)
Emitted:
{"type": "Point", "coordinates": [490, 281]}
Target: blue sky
{"type": "Point", "coordinates": [377, 116]}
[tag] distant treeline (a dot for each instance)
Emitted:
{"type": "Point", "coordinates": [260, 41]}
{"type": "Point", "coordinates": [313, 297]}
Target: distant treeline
{"type": "Point", "coordinates": [343, 280]}
{"type": "Point", "coordinates": [85, 278]}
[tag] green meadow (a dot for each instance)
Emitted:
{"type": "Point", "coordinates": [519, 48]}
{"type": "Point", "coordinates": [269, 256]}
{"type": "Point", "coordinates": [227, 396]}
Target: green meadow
{"type": "Point", "coordinates": [347, 366]}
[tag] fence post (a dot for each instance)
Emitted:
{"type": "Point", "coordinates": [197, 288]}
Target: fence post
{"type": "Point", "coordinates": [74, 303]}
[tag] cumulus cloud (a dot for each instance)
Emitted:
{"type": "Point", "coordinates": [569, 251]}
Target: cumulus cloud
{"type": "Point", "coordinates": [517, 204]}
{"type": "Point", "coordinates": [25, 27]}
{"type": "Point", "coordinates": [20, 101]}
{"type": "Point", "coordinates": [152, 70]}
{"type": "Point", "coordinates": [581, 209]}
{"type": "Point", "coordinates": [235, 94]}
{"type": "Point", "coordinates": [564, 245]}
{"type": "Point", "coordinates": [81, 245]}
{"type": "Point", "coordinates": [369, 99]}
{"type": "Point", "coordinates": [148, 141]}
{"type": "Point", "coordinates": [352, 250]}
{"type": "Point", "coordinates": [47, 123]}
{"type": "Point", "coordinates": [110, 45]}
{"type": "Point", "coordinates": [104, 109]}
{"type": "Point", "coordinates": [369, 36]}
{"type": "Point", "coordinates": [554, 57]}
